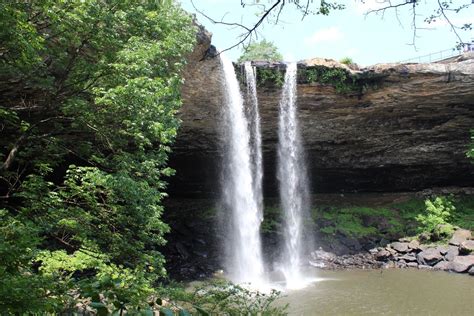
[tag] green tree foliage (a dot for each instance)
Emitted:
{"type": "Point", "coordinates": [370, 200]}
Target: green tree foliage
{"type": "Point", "coordinates": [435, 220]}
{"type": "Point", "coordinates": [90, 90]}
{"type": "Point", "coordinates": [220, 297]}
{"type": "Point", "coordinates": [263, 50]}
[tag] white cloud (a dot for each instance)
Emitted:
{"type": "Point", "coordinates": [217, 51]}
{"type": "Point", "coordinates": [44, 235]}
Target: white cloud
{"type": "Point", "coordinates": [330, 34]}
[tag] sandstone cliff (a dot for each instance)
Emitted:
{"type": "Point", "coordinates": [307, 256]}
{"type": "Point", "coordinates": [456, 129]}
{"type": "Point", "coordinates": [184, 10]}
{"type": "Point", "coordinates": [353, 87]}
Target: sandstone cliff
{"type": "Point", "coordinates": [406, 130]}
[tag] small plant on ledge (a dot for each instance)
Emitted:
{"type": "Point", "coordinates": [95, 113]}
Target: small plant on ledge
{"type": "Point", "coordinates": [434, 223]}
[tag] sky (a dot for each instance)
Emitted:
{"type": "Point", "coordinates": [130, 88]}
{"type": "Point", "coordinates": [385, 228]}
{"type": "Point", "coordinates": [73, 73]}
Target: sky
{"type": "Point", "coordinates": [366, 39]}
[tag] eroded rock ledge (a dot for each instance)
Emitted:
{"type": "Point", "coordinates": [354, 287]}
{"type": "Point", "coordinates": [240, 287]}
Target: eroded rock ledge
{"type": "Point", "coordinates": [407, 128]}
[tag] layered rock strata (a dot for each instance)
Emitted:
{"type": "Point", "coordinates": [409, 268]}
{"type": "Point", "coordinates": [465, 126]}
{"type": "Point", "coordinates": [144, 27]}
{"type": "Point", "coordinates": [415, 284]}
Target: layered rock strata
{"type": "Point", "coordinates": [405, 128]}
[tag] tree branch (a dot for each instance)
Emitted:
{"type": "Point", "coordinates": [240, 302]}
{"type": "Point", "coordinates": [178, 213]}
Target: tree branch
{"type": "Point", "coordinates": [450, 23]}
{"type": "Point", "coordinates": [249, 30]}
{"type": "Point", "coordinates": [440, 13]}
{"type": "Point", "coordinates": [12, 154]}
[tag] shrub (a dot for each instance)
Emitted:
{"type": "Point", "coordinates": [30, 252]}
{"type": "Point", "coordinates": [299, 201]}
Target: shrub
{"type": "Point", "coordinates": [346, 61]}
{"type": "Point", "coordinates": [220, 298]}
{"type": "Point", "coordinates": [435, 220]}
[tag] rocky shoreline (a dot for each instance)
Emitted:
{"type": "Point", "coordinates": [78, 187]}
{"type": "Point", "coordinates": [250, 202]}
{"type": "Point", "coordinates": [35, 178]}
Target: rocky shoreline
{"type": "Point", "coordinates": [455, 256]}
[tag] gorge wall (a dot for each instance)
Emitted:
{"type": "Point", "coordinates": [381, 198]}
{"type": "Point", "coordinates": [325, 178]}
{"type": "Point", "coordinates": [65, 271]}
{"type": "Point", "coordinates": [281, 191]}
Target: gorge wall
{"type": "Point", "coordinates": [407, 128]}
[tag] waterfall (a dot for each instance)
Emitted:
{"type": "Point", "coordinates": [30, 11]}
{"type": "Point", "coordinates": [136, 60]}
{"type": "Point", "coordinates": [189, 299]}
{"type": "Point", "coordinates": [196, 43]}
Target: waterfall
{"type": "Point", "coordinates": [293, 181]}
{"type": "Point", "coordinates": [241, 184]}
{"type": "Point", "coordinates": [256, 136]}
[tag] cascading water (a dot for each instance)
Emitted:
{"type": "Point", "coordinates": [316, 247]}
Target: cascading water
{"type": "Point", "coordinates": [255, 136]}
{"type": "Point", "coordinates": [293, 181]}
{"type": "Point", "coordinates": [245, 262]}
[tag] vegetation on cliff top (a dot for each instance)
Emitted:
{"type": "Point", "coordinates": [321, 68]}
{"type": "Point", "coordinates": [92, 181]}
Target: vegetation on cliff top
{"type": "Point", "coordinates": [261, 51]}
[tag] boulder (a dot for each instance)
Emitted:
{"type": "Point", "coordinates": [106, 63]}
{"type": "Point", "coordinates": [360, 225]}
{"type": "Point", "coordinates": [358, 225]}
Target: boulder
{"type": "Point", "coordinates": [471, 271]}
{"type": "Point", "coordinates": [389, 265]}
{"type": "Point", "coordinates": [392, 251]}
{"type": "Point", "coordinates": [429, 256]}
{"type": "Point", "coordinates": [408, 257]}
{"type": "Point", "coordinates": [414, 244]}
{"type": "Point", "coordinates": [460, 236]}
{"type": "Point", "coordinates": [453, 252]}
{"type": "Point", "coordinates": [462, 263]}
{"type": "Point", "coordinates": [443, 249]}
{"type": "Point", "coordinates": [400, 246]}
{"type": "Point", "coordinates": [383, 255]}
{"type": "Point", "coordinates": [466, 247]}
{"type": "Point", "coordinates": [323, 255]}
{"type": "Point", "coordinates": [322, 259]}
{"type": "Point", "coordinates": [442, 265]}
{"type": "Point", "coordinates": [412, 264]}
{"type": "Point", "coordinates": [401, 264]}
{"type": "Point", "coordinates": [425, 267]}
{"type": "Point", "coordinates": [373, 251]}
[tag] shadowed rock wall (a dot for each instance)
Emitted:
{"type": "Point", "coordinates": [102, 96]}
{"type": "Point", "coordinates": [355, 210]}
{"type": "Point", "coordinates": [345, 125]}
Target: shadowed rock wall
{"type": "Point", "coordinates": [409, 131]}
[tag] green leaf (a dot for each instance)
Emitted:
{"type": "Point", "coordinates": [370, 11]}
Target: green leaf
{"type": "Point", "coordinates": [201, 311]}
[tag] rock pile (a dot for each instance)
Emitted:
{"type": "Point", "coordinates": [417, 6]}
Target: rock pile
{"type": "Point", "coordinates": [457, 256]}
{"type": "Point", "coordinates": [330, 261]}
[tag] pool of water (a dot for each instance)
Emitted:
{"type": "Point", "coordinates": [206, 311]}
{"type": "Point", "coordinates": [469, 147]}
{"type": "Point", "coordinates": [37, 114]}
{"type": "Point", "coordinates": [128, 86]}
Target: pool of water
{"type": "Point", "coordinates": [383, 292]}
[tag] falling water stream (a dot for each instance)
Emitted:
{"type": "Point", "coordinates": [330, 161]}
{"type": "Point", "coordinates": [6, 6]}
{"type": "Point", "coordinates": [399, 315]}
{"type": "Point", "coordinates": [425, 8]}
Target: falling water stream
{"type": "Point", "coordinates": [242, 183]}
{"type": "Point", "coordinates": [293, 182]}
{"type": "Point", "coordinates": [255, 135]}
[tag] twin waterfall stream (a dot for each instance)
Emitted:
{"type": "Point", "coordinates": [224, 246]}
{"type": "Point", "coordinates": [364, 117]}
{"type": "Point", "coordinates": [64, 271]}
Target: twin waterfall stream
{"type": "Point", "coordinates": [242, 182]}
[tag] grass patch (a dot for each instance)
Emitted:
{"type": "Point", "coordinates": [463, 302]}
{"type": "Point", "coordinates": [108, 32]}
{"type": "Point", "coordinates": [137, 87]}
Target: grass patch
{"type": "Point", "coordinates": [463, 216]}
{"type": "Point", "coordinates": [351, 221]}
{"type": "Point", "coordinates": [391, 221]}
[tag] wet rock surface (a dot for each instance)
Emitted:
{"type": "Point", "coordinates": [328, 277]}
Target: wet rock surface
{"type": "Point", "coordinates": [328, 260]}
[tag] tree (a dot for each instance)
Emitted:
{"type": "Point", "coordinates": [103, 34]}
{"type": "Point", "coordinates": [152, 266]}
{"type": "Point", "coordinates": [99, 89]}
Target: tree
{"type": "Point", "coordinates": [89, 93]}
{"type": "Point", "coordinates": [271, 10]}
{"type": "Point", "coordinates": [263, 50]}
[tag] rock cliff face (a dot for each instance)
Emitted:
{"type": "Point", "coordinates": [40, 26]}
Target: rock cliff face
{"type": "Point", "coordinates": [407, 131]}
